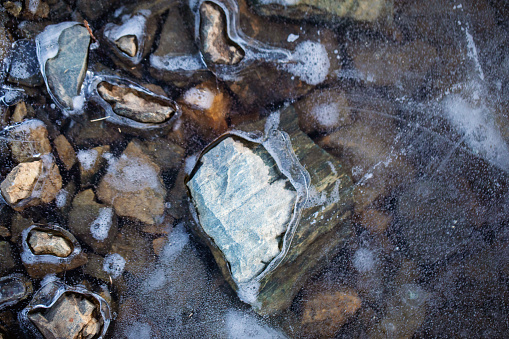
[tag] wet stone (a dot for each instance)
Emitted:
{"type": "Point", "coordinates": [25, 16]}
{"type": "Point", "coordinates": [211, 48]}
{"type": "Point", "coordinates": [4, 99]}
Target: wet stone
{"type": "Point", "coordinates": [47, 243]}
{"type": "Point", "coordinates": [246, 208]}
{"type": "Point", "coordinates": [4, 232]}
{"type": "Point", "coordinates": [133, 186]}
{"type": "Point", "coordinates": [14, 8]}
{"type": "Point", "coordinates": [24, 68]}
{"type": "Point", "coordinates": [65, 151]}
{"type": "Point", "coordinates": [72, 316]}
{"type": "Point", "coordinates": [29, 140]}
{"type": "Point", "coordinates": [91, 161]}
{"type": "Point", "coordinates": [135, 105]}
{"type": "Point", "coordinates": [215, 46]}
{"type": "Point", "coordinates": [14, 288]}
{"type": "Point", "coordinates": [128, 45]}
{"type": "Point", "coordinates": [66, 71]}
{"type": "Point", "coordinates": [7, 263]}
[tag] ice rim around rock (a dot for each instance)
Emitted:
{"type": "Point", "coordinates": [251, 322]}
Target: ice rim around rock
{"type": "Point", "coordinates": [49, 294]}
{"type": "Point", "coordinates": [29, 257]}
{"type": "Point", "coordinates": [277, 143]}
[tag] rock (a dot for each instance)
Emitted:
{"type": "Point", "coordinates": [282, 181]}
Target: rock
{"type": "Point", "coordinates": [128, 45]}
{"type": "Point", "coordinates": [93, 10]}
{"type": "Point", "coordinates": [91, 162]}
{"type": "Point", "coordinates": [130, 252]}
{"type": "Point", "coordinates": [4, 232]}
{"type": "Point", "coordinates": [247, 208]}
{"type": "Point", "coordinates": [14, 8]}
{"type": "Point", "coordinates": [5, 43]}
{"type": "Point", "coordinates": [32, 183]}
{"type": "Point", "coordinates": [405, 312]}
{"type": "Point", "coordinates": [50, 249]}
{"type": "Point", "coordinates": [63, 198]}
{"type": "Point", "coordinates": [206, 107]}
{"type": "Point", "coordinates": [375, 221]}
{"type": "Point", "coordinates": [66, 71]}
{"type": "Point", "coordinates": [322, 225]}
{"type": "Point", "coordinates": [72, 316]}
{"type": "Point", "coordinates": [323, 111]}
{"type": "Point", "coordinates": [158, 245]}
{"type": "Point", "coordinates": [29, 140]}
{"type": "Point", "coordinates": [165, 154]}
{"type": "Point", "coordinates": [47, 243]}
{"type": "Point", "coordinates": [24, 68]}
{"type": "Point", "coordinates": [22, 111]}
{"type": "Point", "coordinates": [325, 311]}
{"type": "Point", "coordinates": [15, 288]}
{"type": "Point", "coordinates": [135, 105]}
{"type": "Point", "coordinates": [7, 262]}
{"type": "Point", "coordinates": [36, 10]}
{"type": "Point", "coordinates": [326, 10]}
{"type": "Point", "coordinates": [18, 225]}
{"type": "Point", "coordinates": [134, 177]}
{"type": "Point", "coordinates": [215, 45]}
{"type": "Point", "coordinates": [404, 67]}
{"type": "Point", "coordinates": [93, 223]}
{"type": "Point", "coordinates": [65, 151]}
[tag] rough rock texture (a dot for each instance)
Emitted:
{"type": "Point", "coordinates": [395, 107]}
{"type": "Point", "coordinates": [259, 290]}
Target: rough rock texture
{"type": "Point", "coordinates": [91, 162]}
{"type": "Point", "coordinates": [135, 105]}
{"type": "Point", "coordinates": [322, 230]}
{"type": "Point", "coordinates": [93, 223]}
{"type": "Point", "coordinates": [72, 316]}
{"type": "Point", "coordinates": [329, 10]}
{"type": "Point", "coordinates": [326, 310]}
{"type": "Point", "coordinates": [215, 46]}
{"type": "Point", "coordinates": [133, 186]}
{"type": "Point", "coordinates": [128, 45]}
{"type": "Point", "coordinates": [246, 208]}
{"type": "Point", "coordinates": [47, 243]}
{"type": "Point", "coordinates": [29, 140]}
{"type": "Point", "coordinates": [65, 72]}
{"type": "Point", "coordinates": [32, 183]}
{"type": "Point", "coordinates": [65, 151]}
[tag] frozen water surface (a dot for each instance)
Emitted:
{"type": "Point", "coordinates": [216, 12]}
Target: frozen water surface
{"type": "Point", "coordinates": [413, 103]}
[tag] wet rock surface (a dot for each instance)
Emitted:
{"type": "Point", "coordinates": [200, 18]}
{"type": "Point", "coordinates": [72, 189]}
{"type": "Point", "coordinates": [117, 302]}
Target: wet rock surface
{"type": "Point", "coordinates": [47, 243]}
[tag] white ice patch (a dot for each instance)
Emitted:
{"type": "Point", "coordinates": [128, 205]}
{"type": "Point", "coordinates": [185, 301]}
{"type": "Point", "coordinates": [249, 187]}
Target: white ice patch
{"type": "Point", "coordinates": [176, 242]}
{"type": "Point", "coordinates": [176, 63]}
{"type": "Point", "coordinates": [241, 325]}
{"type": "Point", "coordinates": [138, 330]}
{"type": "Point", "coordinates": [33, 5]}
{"type": "Point", "coordinates": [201, 98]}
{"type": "Point", "coordinates": [479, 128]}
{"type": "Point", "coordinates": [114, 265]}
{"type": "Point", "coordinates": [364, 260]}
{"type": "Point", "coordinates": [61, 198]}
{"type": "Point", "coordinates": [87, 158]}
{"type": "Point", "coordinates": [190, 163]}
{"type": "Point", "coordinates": [472, 53]}
{"type": "Point", "coordinates": [101, 226]}
{"type": "Point", "coordinates": [311, 62]}
{"type": "Point", "coordinates": [326, 115]}
{"type": "Point", "coordinates": [292, 37]}
{"type": "Point", "coordinates": [132, 175]}
{"type": "Point", "coordinates": [77, 102]}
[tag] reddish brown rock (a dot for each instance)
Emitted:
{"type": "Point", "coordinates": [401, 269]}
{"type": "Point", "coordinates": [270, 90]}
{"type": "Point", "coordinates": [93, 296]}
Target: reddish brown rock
{"type": "Point", "coordinates": [65, 151]}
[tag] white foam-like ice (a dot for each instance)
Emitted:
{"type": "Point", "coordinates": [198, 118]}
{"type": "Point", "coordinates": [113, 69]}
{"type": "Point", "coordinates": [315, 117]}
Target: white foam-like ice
{"type": "Point", "coordinates": [364, 260]}
{"type": "Point", "coordinates": [131, 174]}
{"type": "Point", "coordinates": [61, 198]}
{"type": "Point", "coordinates": [102, 224]}
{"type": "Point", "coordinates": [327, 114]}
{"type": "Point", "coordinates": [177, 63]}
{"type": "Point", "coordinates": [240, 325]}
{"type": "Point", "coordinates": [201, 98]}
{"type": "Point", "coordinates": [310, 62]}
{"type": "Point", "coordinates": [114, 265]}
{"type": "Point", "coordinates": [292, 37]}
{"type": "Point", "coordinates": [87, 158]}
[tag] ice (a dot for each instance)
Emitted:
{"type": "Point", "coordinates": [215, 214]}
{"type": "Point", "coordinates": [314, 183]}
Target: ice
{"type": "Point", "coordinates": [132, 174]}
{"type": "Point", "coordinates": [242, 325]}
{"type": "Point", "coordinates": [292, 37]}
{"type": "Point", "coordinates": [33, 5]}
{"type": "Point", "coordinates": [364, 260]}
{"type": "Point", "coordinates": [311, 62]}
{"type": "Point", "coordinates": [138, 330]}
{"type": "Point", "coordinates": [114, 265]}
{"type": "Point", "coordinates": [87, 158]}
{"type": "Point", "coordinates": [101, 226]}
{"type": "Point", "coordinates": [326, 114]}
{"type": "Point", "coordinates": [61, 198]}
{"type": "Point", "coordinates": [177, 63]}
{"type": "Point", "coordinates": [201, 98]}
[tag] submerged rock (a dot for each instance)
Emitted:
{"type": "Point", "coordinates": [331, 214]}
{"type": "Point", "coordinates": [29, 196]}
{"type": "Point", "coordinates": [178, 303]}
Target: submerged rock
{"type": "Point", "coordinates": [215, 46]}
{"type": "Point", "coordinates": [65, 67]}
{"type": "Point", "coordinates": [134, 104]}
{"type": "Point", "coordinates": [132, 185]}
{"type": "Point", "coordinates": [65, 151]}
{"type": "Point", "coordinates": [24, 68]}
{"type": "Point", "coordinates": [13, 289]}
{"type": "Point", "coordinates": [91, 161]}
{"type": "Point", "coordinates": [7, 262]}
{"type": "Point", "coordinates": [28, 140]}
{"type": "Point", "coordinates": [47, 243]}
{"type": "Point", "coordinates": [246, 208]}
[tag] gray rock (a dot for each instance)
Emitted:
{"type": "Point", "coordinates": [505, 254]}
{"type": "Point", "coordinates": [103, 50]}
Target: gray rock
{"type": "Point", "coordinates": [7, 262]}
{"type": "Point", "coordinates": [24, 68]}
{"type": "Point", "coordinates": [215, 46]}
{"type": "Point", "coordinates": [66, 71]}
{"type": "Point", "coordinates": [93, 223]}
{"type": "Point", "coordinates": [246, 208]}
{"type": "Point", "coordinates": [13, 289]}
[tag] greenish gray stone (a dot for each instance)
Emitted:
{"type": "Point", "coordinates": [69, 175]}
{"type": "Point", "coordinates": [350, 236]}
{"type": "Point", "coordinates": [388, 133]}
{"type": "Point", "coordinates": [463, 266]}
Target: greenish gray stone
{"type": "Point", "coordinates": [329, 10]}
{"type": "Point", "coordinates": [244, 204]}
{"type": "Point", "coordinates": [65, 72]}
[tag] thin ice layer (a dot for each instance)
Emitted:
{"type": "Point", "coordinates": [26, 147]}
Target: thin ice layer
{"type": "Point", "coordinates": [243, 204]}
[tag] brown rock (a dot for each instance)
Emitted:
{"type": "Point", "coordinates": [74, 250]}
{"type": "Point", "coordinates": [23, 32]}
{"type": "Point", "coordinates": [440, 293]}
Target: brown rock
{"type": "Point", "coordinates": [7, 262]}
{"type": "Point", "coordinates": [158, 244]}
{"type": "Point", "coordinates": [29, 140]}
{"type": "Point", "coordinates": [14, 8]}
{"type": "Point", "coordinates": [32, 183]}
{"type": "Point", "coordinates": [72, 316]}
{"type": "Point", "coordinates": [166, 154]}
{"type": "Point", "coordinates": [323, 111]}
{"type": "Point", "coordinates": [133, 186]}
{"type": "Point", "coordinates": [93, 223]}
{"type": "Point", "coordinates": [18, 225]}
{"type": "Point", "coordinates": [48, 243]}
{"type": "Point", "coordinates": [65, 151]}
{"type": "Point", "coordinates": [128, 45]}
{"type": "Point", "coordinates": [216, 47]}
{"type": "Point", "coordinates": [374, 220]}
{"type": "Point", "coordinates": [4, 232]}
{"type": "Point", "coordinates": [136, 251]}
{"type": "Point", "coordinates": [326, 311]}
{"type": "Point", "coordinates": [20, 112]}
{"type": "Point", "coordinates": [91, 161]}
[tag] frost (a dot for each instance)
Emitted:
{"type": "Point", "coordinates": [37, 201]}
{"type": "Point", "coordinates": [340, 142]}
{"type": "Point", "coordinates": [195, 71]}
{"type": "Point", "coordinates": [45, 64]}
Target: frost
{"type": "Point", "coordinates": [364, 260]}
{"type": "Point", "coordinates": [132, 175]}
{"type": "Point", "coordinates": [177, 63]}
{"type": "Point", "coordinates": [326, 114]}
{"type": "Point", "coordinates": [87, 158]}
{"type": "Point", "coordinates": [311, 62]}
{"type": "Point", "coordinates": [292, 37]}
{"type": "Point", "coordinates": [101, 226]}
{"type": "Point", "coordinates": [114, 265]}
{"type": "Point", "coordinates": [201, 98]}
{"type": "Point", "coordinates": [61, 198]}
{"type": "Point", "coordinates": [243, 326]}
